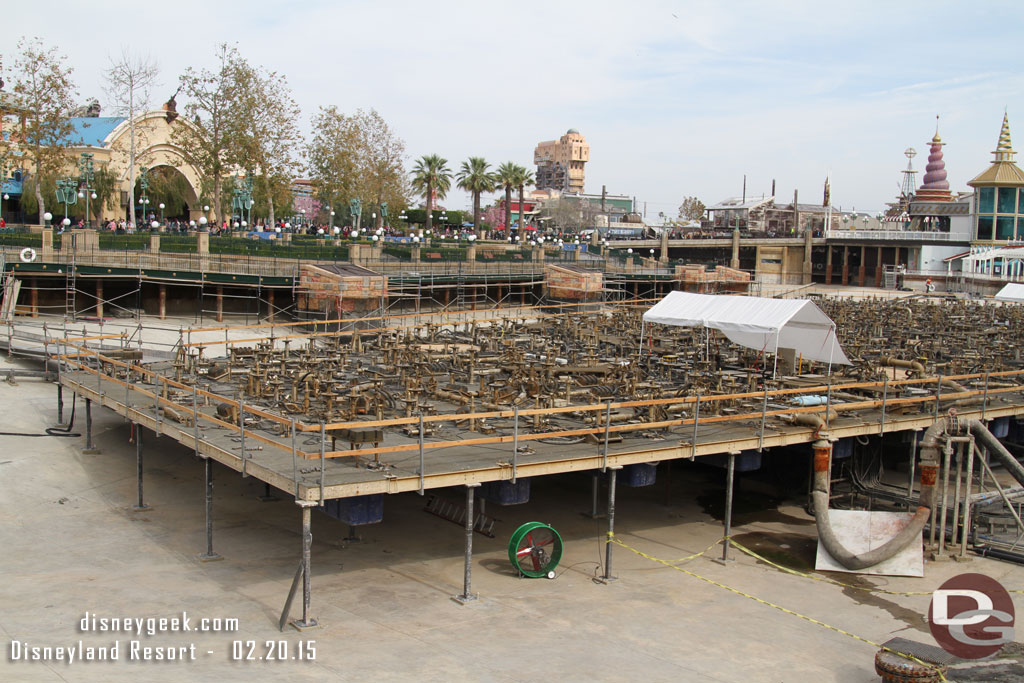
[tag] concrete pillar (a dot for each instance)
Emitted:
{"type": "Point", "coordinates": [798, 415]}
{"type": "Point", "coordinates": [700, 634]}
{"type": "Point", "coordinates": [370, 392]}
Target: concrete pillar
{"type": "Point", "coordinates": [355, 252]}
{"type": "Point", "coordinates": [862, 270]}
{"type": "Point", "coordinates": [203, 243]}
{"type": "Point", "coordinates": [220, 304]}
{"type": "Point", "coordinates": [663, 255]}
{"type": "Point", "coordinates": [846, 265]}
{"type": "Point", "coordinates": [163, 302]}
{"type": "Point", "coordinates": [270, 305]}
{"type": "Point", "coordinates": [34, 297]}
{"type": "Point", "coordinates": [99, 298]}
{"type": "Point", "coordinates": [828, 265]}
{"type": "Point", "coordinates": [154, 242]}
{"type": "Point", "coordinates": [84, 240]}
{"type": "Point", "coordinates": [757, 261]}
{"type": "Point", "coordinates": [734, 262]}
{"type": "Point", "coordinates": [878, 268]}
{"type": "Point", "coordinates": [416, 253]}
{"type": "Point", "coordinates": [808, 267]}
{"type": "Point", "coordinates": [538, 253]}
{"type": "Point", "coordinates": [46, 251]}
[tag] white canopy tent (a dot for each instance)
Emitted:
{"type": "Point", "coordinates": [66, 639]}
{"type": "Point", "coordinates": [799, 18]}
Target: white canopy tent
{"type": "Point", "coordinates": [1011, 292]}
{"type": "Point", "coordinates": [756, 322]}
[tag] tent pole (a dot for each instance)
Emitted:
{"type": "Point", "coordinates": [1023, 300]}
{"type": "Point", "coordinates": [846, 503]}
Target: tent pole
{"type": "Point", "coordinates": [832, 349]}
{"type": "Point", "coordinates": [775, 362]}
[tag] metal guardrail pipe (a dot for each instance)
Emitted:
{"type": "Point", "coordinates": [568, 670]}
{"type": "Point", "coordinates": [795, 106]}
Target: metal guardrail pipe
{"type": "Point", "coordinates": [897, 235]}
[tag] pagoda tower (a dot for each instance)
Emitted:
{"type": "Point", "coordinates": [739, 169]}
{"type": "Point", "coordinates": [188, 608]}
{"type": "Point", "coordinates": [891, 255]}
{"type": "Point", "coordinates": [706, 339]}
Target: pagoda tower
{"type": "Point", "coordinates": [935, 187]}
{"type": "Point", "coordinates": [999, 213]}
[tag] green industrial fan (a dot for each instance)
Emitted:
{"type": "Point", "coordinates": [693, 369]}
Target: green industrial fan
{"type": "Point", "coordinates": [535, 550]}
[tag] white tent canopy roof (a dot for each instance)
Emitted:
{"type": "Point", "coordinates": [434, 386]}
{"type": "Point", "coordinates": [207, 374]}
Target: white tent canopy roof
{"type": "Point", "coordinates": [755, 322]}
{"type": "Point", "coordinates": [1011, 292]}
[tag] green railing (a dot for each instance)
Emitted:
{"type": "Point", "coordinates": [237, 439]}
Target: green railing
{"type": "Point", "coordinates": [400, 252]}
{"type": "Point", "coordinates": [10, 238]}
{"type": "Point", "coordinates": [489, 255]}
{"type": "Point", "coordinates": [178, 244]}
{"type": "Point", "coordinates": [318, 250]}
{"type": "Point", "coordinates": [442, 254]}
{"type": "Point", "coordinates": [109, 240]}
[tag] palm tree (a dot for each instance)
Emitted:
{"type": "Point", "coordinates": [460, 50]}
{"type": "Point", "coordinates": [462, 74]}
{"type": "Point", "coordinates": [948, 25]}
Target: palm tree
{"type": "Point", "coordinates": [524, 177]}
{"type": "Point", "coordinates": [506, 179]}
{"type": "Point", "coordinates": [474, 177]}
{"type": "Point", "coordinates": [431, 174]}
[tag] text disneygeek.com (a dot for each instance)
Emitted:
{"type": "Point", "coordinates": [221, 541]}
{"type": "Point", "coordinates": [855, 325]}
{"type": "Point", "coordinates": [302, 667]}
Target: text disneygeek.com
{"type": "Point", "coordinates": [140, 649]}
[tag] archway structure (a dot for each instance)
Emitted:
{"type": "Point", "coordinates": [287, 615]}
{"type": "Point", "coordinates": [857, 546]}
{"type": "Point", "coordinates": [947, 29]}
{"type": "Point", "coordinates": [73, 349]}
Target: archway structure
{"type": "Point", "coordinates": [108, 139]}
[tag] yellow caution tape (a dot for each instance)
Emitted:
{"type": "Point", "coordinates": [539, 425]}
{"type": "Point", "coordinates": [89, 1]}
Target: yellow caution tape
{"type": "Point", "coordinates": [823, 579]}
{"type": "Point", "coordinates": [774, 605]}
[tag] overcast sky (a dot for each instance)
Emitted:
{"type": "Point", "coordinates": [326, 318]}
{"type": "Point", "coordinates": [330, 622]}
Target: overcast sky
{"type": "Point", "coordinates": [675, 98]}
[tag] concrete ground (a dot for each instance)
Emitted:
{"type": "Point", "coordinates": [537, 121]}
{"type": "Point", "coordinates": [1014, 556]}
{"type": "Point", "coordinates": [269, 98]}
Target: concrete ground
{"type": "Point", "coordinates": [71, 545]}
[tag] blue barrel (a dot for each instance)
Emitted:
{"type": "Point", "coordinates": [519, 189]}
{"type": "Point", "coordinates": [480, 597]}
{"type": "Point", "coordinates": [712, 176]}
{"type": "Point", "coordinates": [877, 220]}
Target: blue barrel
{"type": "Point", "coordinates": [641, 474]}
{"type": "Point", "coordinates": [746, 461]}
{"type": "Point", "coordinates": [505, 492]}
{"type": "Point", "coordinates": [842, 448]}
{"type": "Point", "coordinates": [356, 511]}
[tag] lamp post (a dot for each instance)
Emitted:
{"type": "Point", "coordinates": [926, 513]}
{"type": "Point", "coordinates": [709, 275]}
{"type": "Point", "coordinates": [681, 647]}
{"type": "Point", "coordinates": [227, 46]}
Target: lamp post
{"type": "Point", "coordinates": [66, 194]}
{"type": "Point", "coordinates": [332, 220]}
{"type": "Point", "coordinates": [162, 213]}
{"type": "Point", "coordinates": [86, 177]}
{"type": "Point", "coordinates": [3, 179]}
{"type": "Point", "coordinates": [144, 197]}
{"type": "Point", "coordinates": [242, 199]}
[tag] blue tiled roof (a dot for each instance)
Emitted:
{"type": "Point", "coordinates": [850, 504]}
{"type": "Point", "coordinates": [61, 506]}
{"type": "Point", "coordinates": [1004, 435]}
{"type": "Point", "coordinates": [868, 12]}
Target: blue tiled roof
{"type": "Point", "coordinates": [92, 131]}
{"type": "Point", "coordinates": [12, 186]}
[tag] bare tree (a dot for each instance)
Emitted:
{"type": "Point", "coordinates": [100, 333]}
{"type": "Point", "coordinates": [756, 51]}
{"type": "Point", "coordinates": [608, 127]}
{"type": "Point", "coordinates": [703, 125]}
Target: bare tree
{"type": "Point", "coordinates": [204, 135]}
{"type": "Point", "coordinates": [129, 80]}
{"type": "Point", "coordinates": [43, 93]}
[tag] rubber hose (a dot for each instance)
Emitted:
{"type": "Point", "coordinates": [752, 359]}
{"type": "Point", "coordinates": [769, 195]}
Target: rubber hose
{"type": "Point", "coordinates": [828, 538]}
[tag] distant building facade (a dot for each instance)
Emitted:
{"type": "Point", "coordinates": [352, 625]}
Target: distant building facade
{"type": "Point", "coordinates": [560, 163]}
{"type": "Point", "coordinates": [775, 219]}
